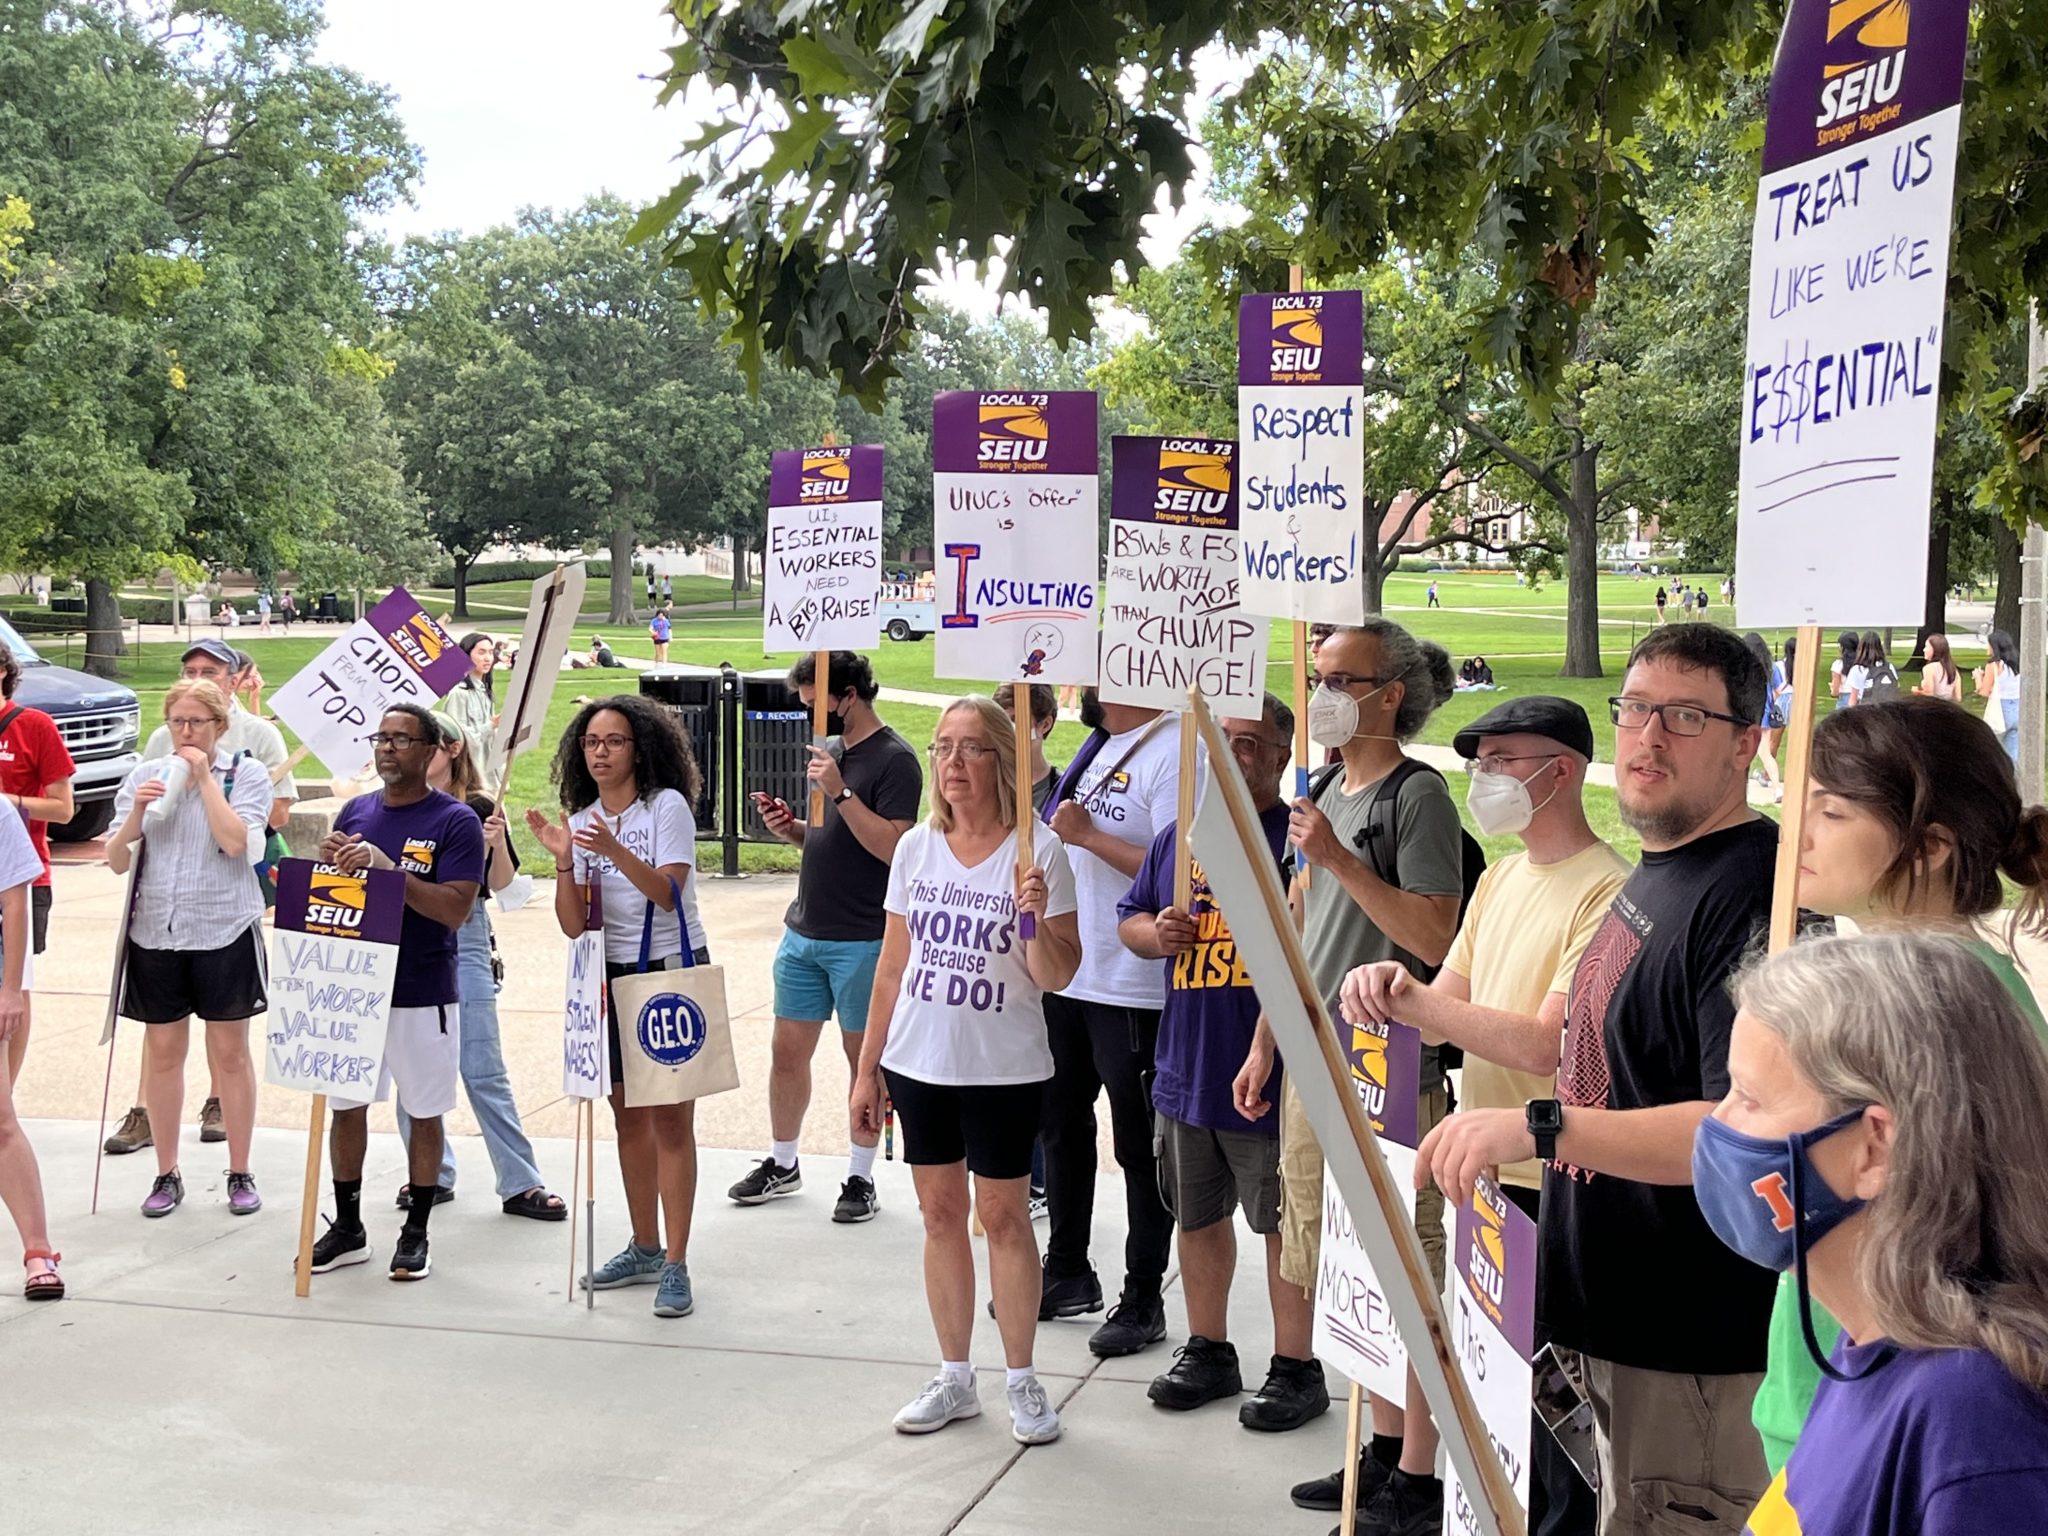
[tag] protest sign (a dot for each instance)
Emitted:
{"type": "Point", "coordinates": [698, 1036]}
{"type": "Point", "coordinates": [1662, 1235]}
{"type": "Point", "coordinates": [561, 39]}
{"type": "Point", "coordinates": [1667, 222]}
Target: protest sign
{"type": "Point", "coordinates": [1354, 1325]}
{"type": "Point", "coordinates": [822, 581]}
{"type": "Point", "coordinates": [1171, 619]}
{"type": "Point", "coordinates": [1016, 529]}
{"type": "Point", "coordinates": [586, 1057]}
{"type": "Point", "coordinates": [1848, 274]}
{"type": "Point", "coordinates": [1233, 850]}
{"type": "Point", "coordinates": [1301, 447]}
{"type": "Point", "coordinates": [396, 653]}
{"type": "Point", "coordinates": [1493, 1334]}
{"type": "Point", "coordinates": [333, 957]}
{"type": "Point", "coordinates": [552, 605]}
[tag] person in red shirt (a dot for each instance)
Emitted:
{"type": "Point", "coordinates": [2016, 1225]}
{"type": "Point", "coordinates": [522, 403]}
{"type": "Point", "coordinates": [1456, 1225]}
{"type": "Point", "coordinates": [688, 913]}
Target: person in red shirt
{"type": "Point", "coordinates": [35, 778]}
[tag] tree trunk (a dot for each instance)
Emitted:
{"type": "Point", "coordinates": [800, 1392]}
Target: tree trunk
{"type": "Point", "coordinates": [1934, 613]}
{"type": "Point", "coordinates": [742, 573]}
{"type": "Point", "coordinates": [2005, 610]}
{"type": "Point", "coordinates": [1374, 575]}
{"type": "Point", "coordinates": [1582, 567]}
{"type": "Point", "coordinates": [103, 647]}
{"type": "Point", "coordinates": [622, 571]}
{"type": "Point", "coordinates": [462, 564]}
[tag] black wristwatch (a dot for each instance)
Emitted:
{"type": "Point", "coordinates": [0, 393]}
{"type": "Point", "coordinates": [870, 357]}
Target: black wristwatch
{"type": "Point", "coordinates": [843, 796]}
{"type": "Point", "coordinates": [1545, 1119]}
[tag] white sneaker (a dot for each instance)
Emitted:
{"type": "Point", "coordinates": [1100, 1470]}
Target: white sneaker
{"type": "Point", "coordinates": [941, 1402]}
{"type": "Point", "coordinates": [1032, 1419]}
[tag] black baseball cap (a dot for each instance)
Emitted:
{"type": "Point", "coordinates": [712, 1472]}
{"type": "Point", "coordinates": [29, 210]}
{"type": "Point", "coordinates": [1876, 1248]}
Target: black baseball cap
{"type": "Point", "coordinates": [219, 650]}
{"type": "Point", "coordinates": [1539, 714]}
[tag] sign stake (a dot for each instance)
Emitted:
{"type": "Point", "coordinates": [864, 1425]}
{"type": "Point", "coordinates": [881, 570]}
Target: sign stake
{"type": "Point", "coordinates": [1798, 770]}
{"type": "Point", "coordinates": [821, 706]}
{"type": "Point", "coordinates": [309, 1207]}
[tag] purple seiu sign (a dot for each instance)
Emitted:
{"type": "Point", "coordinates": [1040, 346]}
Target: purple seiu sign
{"type": "Point", "coordinates": [1021, 432]}
{"type": "Point", "coordinates": [1386, 1069]}
{"type": "Point", "coordinates": [418, 639]}
{"type": "Point", "coordinates": [319, 899]}
{"type": "Point", "coordinates": [1850, 69]}
{"type": "Point", "coordinates": [1301, 338]}
{"type": "Point", "coordinates": [804, 477]}
{"type": "Point", "coordinates": [1496, 1260]}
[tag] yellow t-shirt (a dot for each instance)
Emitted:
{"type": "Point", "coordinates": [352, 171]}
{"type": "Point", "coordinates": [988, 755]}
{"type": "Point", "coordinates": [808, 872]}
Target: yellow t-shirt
{"type": "Point", "coordinates": [1521, 940]}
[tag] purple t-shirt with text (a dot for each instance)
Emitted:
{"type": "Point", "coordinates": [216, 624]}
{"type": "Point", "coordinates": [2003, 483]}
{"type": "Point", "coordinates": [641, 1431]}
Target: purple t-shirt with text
{"type": "Point", "coordinates": [1211, 1009]}
{"type": "Point", "coordinates": [441, 840]}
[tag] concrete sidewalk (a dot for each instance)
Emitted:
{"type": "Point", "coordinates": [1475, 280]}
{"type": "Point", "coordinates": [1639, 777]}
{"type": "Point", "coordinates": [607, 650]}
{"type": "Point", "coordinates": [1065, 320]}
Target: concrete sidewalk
{"type": "Point", "coordinates": [184, 1391]}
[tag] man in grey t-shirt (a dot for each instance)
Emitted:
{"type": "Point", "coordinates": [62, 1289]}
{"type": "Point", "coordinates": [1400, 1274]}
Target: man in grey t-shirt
{"type": "Point", "coordinates": [1386, 884]}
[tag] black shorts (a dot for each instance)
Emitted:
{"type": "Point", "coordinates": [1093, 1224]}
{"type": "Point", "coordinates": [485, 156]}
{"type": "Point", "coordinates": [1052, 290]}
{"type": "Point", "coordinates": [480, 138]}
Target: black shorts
{"type": "Point", "coordinates": [39, 916]}
{"type": "Point", "coordinates": [612, 972]}
{"type": "Point", "coordinates": [990, 1127]}
{"type": "Point", "coordinates": [164, 986]}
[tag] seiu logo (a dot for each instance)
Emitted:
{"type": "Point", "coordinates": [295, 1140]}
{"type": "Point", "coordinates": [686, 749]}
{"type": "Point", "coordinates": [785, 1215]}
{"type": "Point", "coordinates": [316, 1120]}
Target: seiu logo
{"type": "Point", "coordinates": [826, 476]}
{"type": "Point", "coordinates": [1866, 57]}
{"type": "Point", "coordinates": [1013, 431]}
{"type": "Point", "coordinates": [1193, 479]}
{"type": "Point", "coordinates": [1369, 1073]}
{"type": "Point", "coordinates": [1297, 340]}
{"type": "Point", "coordinates": [1488, 1261]}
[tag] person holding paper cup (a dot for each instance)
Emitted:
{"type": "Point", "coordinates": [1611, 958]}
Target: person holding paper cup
{"type": "Point", "coordinates": [626, 777]}
{"type": "Point", "coordinates": [957, 1028]}
{"type": "Point", "coordinates": [521, 1192]}
{"type": "Point", "coordinates": [1882, 1142]}
{"type": "Point", "coordinates": [195, 938]}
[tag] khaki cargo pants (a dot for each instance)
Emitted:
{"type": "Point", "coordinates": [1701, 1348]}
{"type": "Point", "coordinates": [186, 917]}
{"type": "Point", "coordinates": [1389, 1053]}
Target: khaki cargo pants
{"type": "Point", "coordinates": [1301, 1192]}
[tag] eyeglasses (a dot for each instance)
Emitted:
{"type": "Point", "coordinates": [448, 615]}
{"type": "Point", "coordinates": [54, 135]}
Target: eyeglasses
{"type": "Point", "coordinates": [398, 741]}
{"type": "Point", "coordinates": [1346, 681]}
{"type": "Point", "coordinates": [190, 722]}
{"type": "Point", "coordinates": [606, 743]}
{"type": "Point", "coordinates": [1678, 719]}
{"type": "Point", "coordinates": [1245, 746]}
{"type": "Point", "coordinates": [1497, 762]}
{"type": "Point", "coordinates": [966, 751]}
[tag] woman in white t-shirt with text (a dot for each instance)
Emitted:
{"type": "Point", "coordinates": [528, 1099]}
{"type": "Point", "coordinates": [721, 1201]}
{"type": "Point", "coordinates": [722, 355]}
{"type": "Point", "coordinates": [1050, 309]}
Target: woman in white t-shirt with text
{"type": "Point", "coordinates": [626, 777]}
{"type": "Point", "coordinates": [957, 1027]}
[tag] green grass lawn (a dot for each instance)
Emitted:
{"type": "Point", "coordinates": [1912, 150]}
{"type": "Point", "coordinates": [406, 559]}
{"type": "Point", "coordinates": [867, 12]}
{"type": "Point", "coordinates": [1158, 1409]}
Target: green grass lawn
{"type": "Point", "coordinates": [500, 605]}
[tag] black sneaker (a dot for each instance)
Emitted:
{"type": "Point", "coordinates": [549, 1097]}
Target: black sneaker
{"type": "Point", "coordinates": [1327, 1493]}
{"type": "Point", "coordinates": [1063, 1296]}
{"type": "Point", "coordinates": [1203, 1370]}
{"type": "Point", "coordinates": [340, 1247]}
{"type": "Point", "coordinates": [1293, 1394]}
{"type": "Point", "coordinates": [409, 1259]}
{"type": "Point", "coordinates": [857, 1201]}
{"type": "Point", "coordinates": [1403, 1506]}
{"type": "Point", "coordinates": [769, 1181]}
{"type": "Point", "coordinates": [1138, 1319]}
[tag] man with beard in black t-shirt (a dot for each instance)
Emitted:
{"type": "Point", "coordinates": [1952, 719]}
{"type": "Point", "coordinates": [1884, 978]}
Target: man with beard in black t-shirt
{"type": "Point", "coordinates": [1659, 1324]}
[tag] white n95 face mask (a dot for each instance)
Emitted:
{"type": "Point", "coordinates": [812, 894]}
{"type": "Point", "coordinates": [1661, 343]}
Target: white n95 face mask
{"type": "Point", "coordinates": [1500, 804]}
{"type": "Point", "coordinates": [1333, 715]}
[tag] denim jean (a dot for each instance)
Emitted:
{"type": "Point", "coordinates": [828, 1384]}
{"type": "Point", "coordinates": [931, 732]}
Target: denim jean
{"type": "Point", "coordinates": [2009, 735]}
{"type": "Point", "coordinates": [483, 1068]}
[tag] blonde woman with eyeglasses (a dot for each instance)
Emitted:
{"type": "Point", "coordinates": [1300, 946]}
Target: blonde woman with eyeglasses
{"type": "Point", "coordinates": [956, 1026]}
{"type": "Point", "coordinates": [1883, 1140]}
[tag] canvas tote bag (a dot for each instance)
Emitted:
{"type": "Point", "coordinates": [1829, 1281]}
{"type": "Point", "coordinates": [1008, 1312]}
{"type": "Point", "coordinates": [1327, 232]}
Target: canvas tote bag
{"type": "Point", "coordinates": [674, 1036]}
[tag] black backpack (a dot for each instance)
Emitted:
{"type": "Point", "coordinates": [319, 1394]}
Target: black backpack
{"type": "Point", "coordinates": [1883, 685]}
{"type": "Point", "coordinates": [1382, 850]}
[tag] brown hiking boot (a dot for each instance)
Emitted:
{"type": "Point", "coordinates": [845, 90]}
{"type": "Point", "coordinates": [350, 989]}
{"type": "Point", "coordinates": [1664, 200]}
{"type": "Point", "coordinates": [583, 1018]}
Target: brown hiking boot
{"type": "Point", "coordinates": [210, 1127]}
{"type": "Point", "coordinates": [132, 1135]}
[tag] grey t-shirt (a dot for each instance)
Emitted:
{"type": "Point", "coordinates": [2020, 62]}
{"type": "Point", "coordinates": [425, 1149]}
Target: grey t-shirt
{"type": "Point", "coordinates": [1429, 860]}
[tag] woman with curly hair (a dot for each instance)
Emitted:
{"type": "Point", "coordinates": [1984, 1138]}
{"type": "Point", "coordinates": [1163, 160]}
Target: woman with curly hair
{"type": "Point", "coordinates": [626, 778]}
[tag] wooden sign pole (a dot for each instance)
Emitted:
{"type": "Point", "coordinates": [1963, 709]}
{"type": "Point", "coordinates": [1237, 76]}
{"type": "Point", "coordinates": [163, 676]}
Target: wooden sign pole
{"type": "Point", "coordinates": [1302, 766]}
{"type": "Point", "coordinates": [589, 1207]}
{"type": "Point", "coordinates": [821, 706]}
{"type": "Point", "coordinates": [309, 1207]}
{"type": "Point", "coordinates": [1354, 1437]}
{"type": "Point", "coordinates": [1027, 816]}
{"type": "Point", "coordinates": [1798, 769]}
{"type": "Point", "coordinates": [1184, 814]}
{"type": "Point", "coordinates": [575, 1178]}
{"type": "Point", "coordinates": [106, 1096]}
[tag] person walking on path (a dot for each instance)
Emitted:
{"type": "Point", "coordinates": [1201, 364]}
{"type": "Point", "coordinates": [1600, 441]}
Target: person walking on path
{"type": "Point", "coordinates": [626, 778]}
{"type": "Point", "coordinates": [1104, 1026]}
{"type": "Point", "coordinates": [1882, 1140]}
{"type": "Point", "coordinates": [521, 1191]}
{"type": "Point", "coordinates": [35, 779]}
{"type": "Point", "coordinates": [832, 935]}
{"type": "Point", "coordinates": [668, 591]}
{"type": "Point", "coordinates": [1777, 710]}
{"type": "Point", "coordinates": [660, 630]}
{"type": "Point", "coordinates": [1210, 1161]}
{"type": "Point", "coordinates": [21, 1180]}
{"type": "Point", "coordinates": [964, 1070]}
{"type": "Point", "coordinates": [1939, 678]}
{"type": "Point", "coordinates": [1433, 600]}
{"type": "Point", "coordinates": [1644, 1061]}
{"type": "Point", "coordinates": [263, 612]}
{"type": "Point", "coordinates": [1998, 683]}
{"type": "Point", "coordinates": [195, 937]}
{"type": "Point", "coordinates": [287, 610]}
{"type": "Point", "coordinates": [248, 735]}
{"type": "Point", "coordinates": [1663, 597]}
{"type": "Point", "coordinates": [438, 844]}
{"type": "Point", "coordinates": [472, 703]}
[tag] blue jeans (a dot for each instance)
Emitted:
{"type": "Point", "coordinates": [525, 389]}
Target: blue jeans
{"type": "Point", "coordinates": [2009, 730]}
{"type": "Point", "coordinates": [483, 1069]}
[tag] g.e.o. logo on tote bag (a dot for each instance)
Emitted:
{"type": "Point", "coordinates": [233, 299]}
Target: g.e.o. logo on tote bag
{"type": "Point", "coordinates": [675, 1037]}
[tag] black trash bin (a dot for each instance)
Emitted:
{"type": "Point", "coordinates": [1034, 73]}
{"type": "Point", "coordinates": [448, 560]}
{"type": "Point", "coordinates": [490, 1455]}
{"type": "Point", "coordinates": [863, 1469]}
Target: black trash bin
{"type": "Point", "coordinates": [773, 743]}
{"type": "Point", "coordinates": [691, 693]}
{"type": "Point", "coordinates": [330, 607]}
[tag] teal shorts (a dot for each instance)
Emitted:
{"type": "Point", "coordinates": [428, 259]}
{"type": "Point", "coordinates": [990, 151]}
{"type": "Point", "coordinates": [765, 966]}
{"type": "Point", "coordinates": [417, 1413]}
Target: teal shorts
{"type": "Point", "coordinates": [817, 979]}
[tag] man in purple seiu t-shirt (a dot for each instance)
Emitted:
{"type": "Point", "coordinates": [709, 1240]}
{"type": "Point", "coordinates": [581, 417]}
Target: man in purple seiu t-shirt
{"type": "Point", "coordinates": [438, 843]}
{"type": "Point", "coordinates": [1211, 1159]}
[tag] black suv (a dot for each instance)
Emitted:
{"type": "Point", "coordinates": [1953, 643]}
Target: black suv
{"type": "Point", "coordinates": [100, 722]}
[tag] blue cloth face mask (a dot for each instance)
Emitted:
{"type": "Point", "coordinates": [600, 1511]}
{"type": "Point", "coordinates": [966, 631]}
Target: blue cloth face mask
{"type": "Point", "coordinates": [1764, 1198]}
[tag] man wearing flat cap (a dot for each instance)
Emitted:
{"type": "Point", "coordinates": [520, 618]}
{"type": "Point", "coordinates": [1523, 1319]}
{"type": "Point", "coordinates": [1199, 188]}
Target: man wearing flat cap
{"type": "Point", "coordinates": [1502, 990]}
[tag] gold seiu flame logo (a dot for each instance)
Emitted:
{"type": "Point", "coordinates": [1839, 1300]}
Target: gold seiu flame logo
{"type": "Point", "coordinates": [1296, 326]}
{"type": "Point", "coordinates": [1187, 470]}
{"type": "Point", "coordinates": [338, 889]}
{"type": "Point", "coordinates": [1492, 1241]}
{"type": "Point", "coordinates": [428, 635]}
{"type": "Point", "coordinates": [1369, 1057]}
{"type": "Point", "coordinates": [1013, 423]}
{"type": "Point", "coordinates": [417, 852]}
{"type": "Point", "coordinates": [1859, 30]}
{"type": "Point", "coordinates": [826, 476]}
